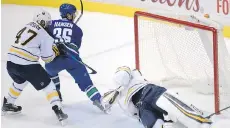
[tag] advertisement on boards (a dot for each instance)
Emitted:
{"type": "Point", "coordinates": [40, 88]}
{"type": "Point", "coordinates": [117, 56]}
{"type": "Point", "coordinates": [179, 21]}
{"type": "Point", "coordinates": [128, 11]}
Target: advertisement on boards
{"type": "Point", "coordinates": [218, 10]}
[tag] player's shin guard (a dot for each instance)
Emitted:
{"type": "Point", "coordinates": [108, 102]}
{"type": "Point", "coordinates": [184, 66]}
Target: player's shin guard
{"type": "Point", "coordinates": [95, 96]}
{"type": "Point", "coordinates": [53, 97]}
{"type": "Point", "coordinates": [56, 82]}
{"type": "Point", "coordinates": [52, 94]}
{"type": "Point", "coordinates": [179, 111]}
{"type": "Point", "coordinates": [15, 91]}
{"type": "Point", "coordinates": [93, 93]}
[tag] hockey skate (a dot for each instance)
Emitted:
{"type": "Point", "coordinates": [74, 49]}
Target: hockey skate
{"type": "Point", "coordinates": [98, 104]}
{"type": "Point", "coordinates": [10, 109]}
{"type": "Point", "coordinates": [60, 115]}
{"type": "Point", "coordinates": [168, 124]}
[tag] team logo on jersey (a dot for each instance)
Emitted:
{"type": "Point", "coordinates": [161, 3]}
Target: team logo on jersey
{"type": "Point", "coordinates": [42, 83]}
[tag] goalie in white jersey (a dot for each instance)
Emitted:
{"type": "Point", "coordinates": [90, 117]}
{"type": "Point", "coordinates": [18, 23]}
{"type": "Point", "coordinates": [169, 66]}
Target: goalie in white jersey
{"type": "Point", "coordinates": [32, 42]}
{"type": "Point", "coordinates": [150, 103]}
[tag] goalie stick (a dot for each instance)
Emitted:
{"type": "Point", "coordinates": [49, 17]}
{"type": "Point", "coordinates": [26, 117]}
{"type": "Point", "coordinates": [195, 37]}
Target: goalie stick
{"type": "Point", "coordinates": [205, 114]}
{"type": "Point", "coordinates": [218, 112]}
{"type": "Point", "coordinates": [81, 12]}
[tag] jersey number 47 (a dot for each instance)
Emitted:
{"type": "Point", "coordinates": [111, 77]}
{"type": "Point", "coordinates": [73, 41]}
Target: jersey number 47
{"type": "Point", "coordinates": [28, 31]}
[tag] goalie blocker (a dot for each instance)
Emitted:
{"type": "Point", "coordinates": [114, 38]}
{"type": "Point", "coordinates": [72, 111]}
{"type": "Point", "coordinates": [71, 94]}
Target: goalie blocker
{"type": "Point", "coordinates": [150, 103]}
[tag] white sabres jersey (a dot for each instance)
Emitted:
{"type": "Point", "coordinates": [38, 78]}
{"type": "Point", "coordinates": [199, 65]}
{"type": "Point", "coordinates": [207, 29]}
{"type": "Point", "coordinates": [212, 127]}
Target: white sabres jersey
{"type": "Point", "coordinates": [125, 97]}
{"type": "Point", "coordinates": [32, 42]}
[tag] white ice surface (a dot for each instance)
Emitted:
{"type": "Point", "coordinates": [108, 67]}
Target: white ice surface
{"type": "Point", "coordinates": [107, 44]}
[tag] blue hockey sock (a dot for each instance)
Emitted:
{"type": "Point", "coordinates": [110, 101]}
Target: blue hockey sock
{"type": "Point", "coordinates": [93, 93]}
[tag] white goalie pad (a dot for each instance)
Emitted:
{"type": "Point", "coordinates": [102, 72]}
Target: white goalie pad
{"type": "Point", "coordinates": [179, 111]}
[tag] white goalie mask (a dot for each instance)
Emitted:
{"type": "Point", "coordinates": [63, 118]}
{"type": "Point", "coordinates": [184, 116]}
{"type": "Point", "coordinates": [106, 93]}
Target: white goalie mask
{"type": "Point", "coordinates": [123, 76]}
{"type": "Point", "coordinates": [43, 18]}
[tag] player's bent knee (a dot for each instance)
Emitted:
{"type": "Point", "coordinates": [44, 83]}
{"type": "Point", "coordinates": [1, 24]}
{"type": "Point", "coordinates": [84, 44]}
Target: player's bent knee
{"type": "Point", "coordinates": [20, 86]}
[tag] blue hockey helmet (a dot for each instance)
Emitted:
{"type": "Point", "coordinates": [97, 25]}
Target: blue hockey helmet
{"type": "Point", "coordinates": [67, 9]}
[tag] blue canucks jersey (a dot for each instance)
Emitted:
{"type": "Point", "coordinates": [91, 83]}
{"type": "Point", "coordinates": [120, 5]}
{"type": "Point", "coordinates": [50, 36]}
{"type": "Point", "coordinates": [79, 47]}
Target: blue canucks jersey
{"type": "Point", "coordinates": [63, 30]}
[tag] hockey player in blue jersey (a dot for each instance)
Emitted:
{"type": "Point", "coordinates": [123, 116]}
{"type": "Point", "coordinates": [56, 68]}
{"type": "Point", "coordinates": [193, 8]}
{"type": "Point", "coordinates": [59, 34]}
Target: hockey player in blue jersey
{"type": "Point", "coordinates": [66, 31]}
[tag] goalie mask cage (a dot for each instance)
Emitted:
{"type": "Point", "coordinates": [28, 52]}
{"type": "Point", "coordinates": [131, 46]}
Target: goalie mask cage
{"type": "Point", "coordinates": [186, 52]}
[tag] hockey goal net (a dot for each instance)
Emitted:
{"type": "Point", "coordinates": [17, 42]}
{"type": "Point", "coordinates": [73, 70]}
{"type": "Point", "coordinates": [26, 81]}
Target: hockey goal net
{"type": "Point", "coordinates": [185, 53]}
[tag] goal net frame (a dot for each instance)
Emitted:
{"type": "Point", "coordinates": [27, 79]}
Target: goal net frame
{"type": "Point", "coordinates": [189, 24]}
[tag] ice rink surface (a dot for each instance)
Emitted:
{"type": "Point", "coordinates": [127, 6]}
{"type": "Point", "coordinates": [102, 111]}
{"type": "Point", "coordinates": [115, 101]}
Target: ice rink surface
{"type": "Point", "coordinates": [108, 42]}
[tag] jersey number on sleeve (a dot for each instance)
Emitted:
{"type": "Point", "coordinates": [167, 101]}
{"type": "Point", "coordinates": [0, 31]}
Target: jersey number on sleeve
{"type": "Point", "coordinates": [18, 36]}
{"type": "Point", "coordinates": [62, 34]}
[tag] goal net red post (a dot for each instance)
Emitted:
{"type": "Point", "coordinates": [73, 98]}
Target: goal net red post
{"type": "Point", "coordinates": [186, 51]}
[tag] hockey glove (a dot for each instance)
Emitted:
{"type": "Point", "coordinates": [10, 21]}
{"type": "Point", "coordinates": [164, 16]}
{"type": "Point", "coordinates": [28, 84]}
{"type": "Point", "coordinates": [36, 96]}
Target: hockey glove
{"type": "Point", "coordinates": [56, 50]}
{"type": "Point", "coordinates": [61, 48]}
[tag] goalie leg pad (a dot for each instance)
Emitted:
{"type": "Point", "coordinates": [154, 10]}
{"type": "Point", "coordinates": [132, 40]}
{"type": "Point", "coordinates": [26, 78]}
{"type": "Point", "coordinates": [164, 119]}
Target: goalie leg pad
{"type": "Point", "coordinates": [179, 111]}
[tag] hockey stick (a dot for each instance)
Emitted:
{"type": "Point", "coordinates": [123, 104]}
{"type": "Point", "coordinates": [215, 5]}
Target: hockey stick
{"type": "Point", "coordinates": [81, 12]}
{"type": "Point", "coordinates": [92, 70]}
{"type": "Point", "coordinates": [217, 112]}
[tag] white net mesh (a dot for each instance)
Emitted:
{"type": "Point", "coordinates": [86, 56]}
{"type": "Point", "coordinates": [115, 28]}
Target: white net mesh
{"type": "Point", "coordinates": [182, 56]}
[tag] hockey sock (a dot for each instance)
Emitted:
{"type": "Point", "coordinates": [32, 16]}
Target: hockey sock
{"type": "Point", "coordinates": [52, 94]}
{"type": "Point", "coordinates": [93, 93]}
{"type": "Point", "coordinates": [15, 91]}
{"type": "Point", "coordinates": [56, 81]}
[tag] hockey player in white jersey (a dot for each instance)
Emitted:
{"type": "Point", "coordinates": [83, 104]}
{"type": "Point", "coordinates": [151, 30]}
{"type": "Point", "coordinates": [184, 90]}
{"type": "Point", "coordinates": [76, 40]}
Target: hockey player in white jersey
{"type": "Point", "coordinates": [153, 105]}
{"type": "Point", "coordinates": [32, 42]}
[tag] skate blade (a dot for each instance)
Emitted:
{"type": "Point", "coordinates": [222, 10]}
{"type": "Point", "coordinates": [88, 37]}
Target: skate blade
{"type": "Point", "coordinates": [107, 111]}
{"type": "Point", "coordinates": [63, 122]}
{"type": "Point", "coordinates": [4, 113]}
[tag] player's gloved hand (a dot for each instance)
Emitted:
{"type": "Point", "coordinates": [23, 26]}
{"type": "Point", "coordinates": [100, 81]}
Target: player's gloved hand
{"type": "Point", "coordinates": [56, 50]}
{"type": "Point", "coordinates": [61, 48]}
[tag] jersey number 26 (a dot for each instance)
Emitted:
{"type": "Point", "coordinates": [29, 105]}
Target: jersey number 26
{"type": "Point", "coordinates": [63, 34]}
